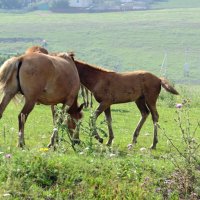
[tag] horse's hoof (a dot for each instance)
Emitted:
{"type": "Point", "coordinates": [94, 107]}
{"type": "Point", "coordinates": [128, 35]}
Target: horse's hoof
{"type": "Point", "coordinates": [130, 146]}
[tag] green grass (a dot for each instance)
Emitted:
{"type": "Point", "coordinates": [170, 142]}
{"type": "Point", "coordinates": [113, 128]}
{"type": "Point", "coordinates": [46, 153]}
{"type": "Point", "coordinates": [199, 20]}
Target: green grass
{"type": "Point", "coordinates": [94, 172]}
{"type": "Point", "coordinates": [120, 41]}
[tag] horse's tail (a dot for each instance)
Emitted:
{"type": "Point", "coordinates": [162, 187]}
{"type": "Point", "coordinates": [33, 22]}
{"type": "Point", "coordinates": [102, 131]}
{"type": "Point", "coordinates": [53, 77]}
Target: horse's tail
{"type": "Point", "coordinates": [167, 86]}
{"type": "Point", "coordinates": [7, 70]}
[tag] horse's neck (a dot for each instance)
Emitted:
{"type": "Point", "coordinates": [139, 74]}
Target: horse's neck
{"type": "Point", "coordinates": [89, 76]}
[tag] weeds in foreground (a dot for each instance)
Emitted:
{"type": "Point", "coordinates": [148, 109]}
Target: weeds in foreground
{"type": "Point", "coordinates": [185, 158]}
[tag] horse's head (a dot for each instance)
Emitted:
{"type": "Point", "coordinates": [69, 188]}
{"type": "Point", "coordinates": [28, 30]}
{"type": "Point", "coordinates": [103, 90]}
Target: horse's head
{"type": "Point", "coordinates": [75, 114]}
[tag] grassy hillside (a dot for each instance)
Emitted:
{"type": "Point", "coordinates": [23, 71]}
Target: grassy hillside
{"type": "Point", "coordinates": [120, 41]}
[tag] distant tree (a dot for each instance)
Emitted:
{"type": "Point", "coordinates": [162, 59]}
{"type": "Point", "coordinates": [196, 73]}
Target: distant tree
{"type": "Point", "coordinates": [59, 4]}
{"type": "Point", "coordinates": [13, 4]}
{"type": "Point", "coordinates": [10, 4]}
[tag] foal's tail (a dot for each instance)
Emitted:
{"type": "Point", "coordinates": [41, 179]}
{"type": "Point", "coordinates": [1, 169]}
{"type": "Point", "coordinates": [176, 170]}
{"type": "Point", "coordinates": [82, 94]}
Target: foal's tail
{"type": "Point", "coordinates": [167, 86]}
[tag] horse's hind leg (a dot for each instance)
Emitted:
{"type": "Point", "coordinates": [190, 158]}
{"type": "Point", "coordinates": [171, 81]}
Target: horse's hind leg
{"type": "Point", "coordinates": [87, 97]}
{"type": "Point", "coordinates": [5, 101]}
{"type": "Point", "coordinates": [91, 103]}
{"type": "Point", "coordinates": [83, 95]}
{"type": "Point", "coordinates": [109, 121]}
{"type": "Point", "coordinates": [144, 112]}
{"type": "Point", "coordinates": [22, 117]}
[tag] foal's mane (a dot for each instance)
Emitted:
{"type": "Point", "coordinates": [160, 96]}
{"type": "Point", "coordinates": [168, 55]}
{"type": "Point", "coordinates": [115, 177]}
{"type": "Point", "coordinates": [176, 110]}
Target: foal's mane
{"type": "Point", "coordinates": [71, 54]}
{"type": "Point", "coordinates": [95, 67]}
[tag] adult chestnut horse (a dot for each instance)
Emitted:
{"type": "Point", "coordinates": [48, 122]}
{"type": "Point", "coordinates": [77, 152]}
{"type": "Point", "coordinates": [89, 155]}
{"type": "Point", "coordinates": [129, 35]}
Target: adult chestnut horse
{"type": "Point", "coordinates": [40, 78]}
{"type": "Point", "coordinates": [74, 116]}
{"type": "Point", "coordinates": [109, 87]}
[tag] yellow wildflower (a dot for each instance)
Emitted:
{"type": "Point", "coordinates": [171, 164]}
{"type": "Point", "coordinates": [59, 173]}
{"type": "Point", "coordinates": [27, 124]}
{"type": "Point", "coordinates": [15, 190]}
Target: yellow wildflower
{"type": "Point", "coordinates": [43, 149]}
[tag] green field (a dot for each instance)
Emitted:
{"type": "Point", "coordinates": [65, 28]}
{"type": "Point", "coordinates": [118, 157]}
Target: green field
{"type": "Point", "coordinates": [120, 41]}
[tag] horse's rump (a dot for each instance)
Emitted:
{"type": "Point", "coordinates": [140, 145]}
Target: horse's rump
{"type": "Point", "coordinates": [57, 79]}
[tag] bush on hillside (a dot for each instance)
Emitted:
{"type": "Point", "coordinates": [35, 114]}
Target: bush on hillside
{"type": "Point", "coordinates": [12, 4]}
{"type": "Point", "coordinates": [57, 5]}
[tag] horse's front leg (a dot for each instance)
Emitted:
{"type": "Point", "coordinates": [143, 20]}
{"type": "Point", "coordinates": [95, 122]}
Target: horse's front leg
{"type": "Point", "coordinates": [22, 117]}
{"type": "Point", "coordinates": [102, 107]}
{"type": "Point", "coordinates": [54, 136]}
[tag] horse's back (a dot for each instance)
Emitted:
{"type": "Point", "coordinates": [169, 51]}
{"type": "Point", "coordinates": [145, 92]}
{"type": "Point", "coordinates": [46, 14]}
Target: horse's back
{"type": "Point", "coordinates": [51, 80]}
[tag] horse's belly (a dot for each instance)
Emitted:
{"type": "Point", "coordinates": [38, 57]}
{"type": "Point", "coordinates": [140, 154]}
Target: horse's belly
{"type": "Point", "coordinates": [50, 99]}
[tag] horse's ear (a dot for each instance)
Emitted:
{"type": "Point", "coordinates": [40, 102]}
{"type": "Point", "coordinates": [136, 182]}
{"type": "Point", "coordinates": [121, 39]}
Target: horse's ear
{"type": "Point", "coordinates": [81, 107]}
{"type": "Point", "coordinates": [71, 54]}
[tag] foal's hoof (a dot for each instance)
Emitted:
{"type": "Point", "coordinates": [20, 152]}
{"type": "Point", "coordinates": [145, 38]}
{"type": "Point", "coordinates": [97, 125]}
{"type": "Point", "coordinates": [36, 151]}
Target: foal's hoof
{"type": "Point", "coordinates": [153, 147]}
{"type": "Point", "coordinates": [76, 141]}
{"type": "Point", "coordinates": [101, 140]}
{"type": "Point", "coordinates": [20, 145]}
{"type": "Point", "coordinates": [130, 146]}
{"type": "Point", "coordinates": [108, 144]}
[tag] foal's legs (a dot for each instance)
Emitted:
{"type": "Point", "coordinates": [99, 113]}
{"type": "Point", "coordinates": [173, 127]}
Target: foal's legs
{"type": "Point", "coordinates": [102, 106]}
{"type": "Point", "coordinates": [22, 117]}
{"type": "Point", "coordinates": [152, 107]}
{"type": "Point", "coordinates": [144, 112]}
{"type": "Point", "coordinates": [109, 121]}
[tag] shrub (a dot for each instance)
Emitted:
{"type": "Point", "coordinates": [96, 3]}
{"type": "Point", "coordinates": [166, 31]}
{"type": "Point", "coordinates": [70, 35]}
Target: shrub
{"type": "Point", "coordinates": [59, 5]}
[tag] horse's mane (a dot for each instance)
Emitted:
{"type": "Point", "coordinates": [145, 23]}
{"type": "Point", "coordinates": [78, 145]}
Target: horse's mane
{"type": "Point", "coordinates": [38, 49]}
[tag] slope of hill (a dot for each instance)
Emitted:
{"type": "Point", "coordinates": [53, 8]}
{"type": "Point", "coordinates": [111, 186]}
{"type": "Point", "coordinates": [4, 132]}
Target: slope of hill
{"type": "Point", "coordinates": [176, 4]}
{"type": "Point", "coordinates": [164, 42]}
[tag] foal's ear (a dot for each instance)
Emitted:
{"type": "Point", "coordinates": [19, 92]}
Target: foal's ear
{"type": "Point", "coordinates": [80, 107]}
